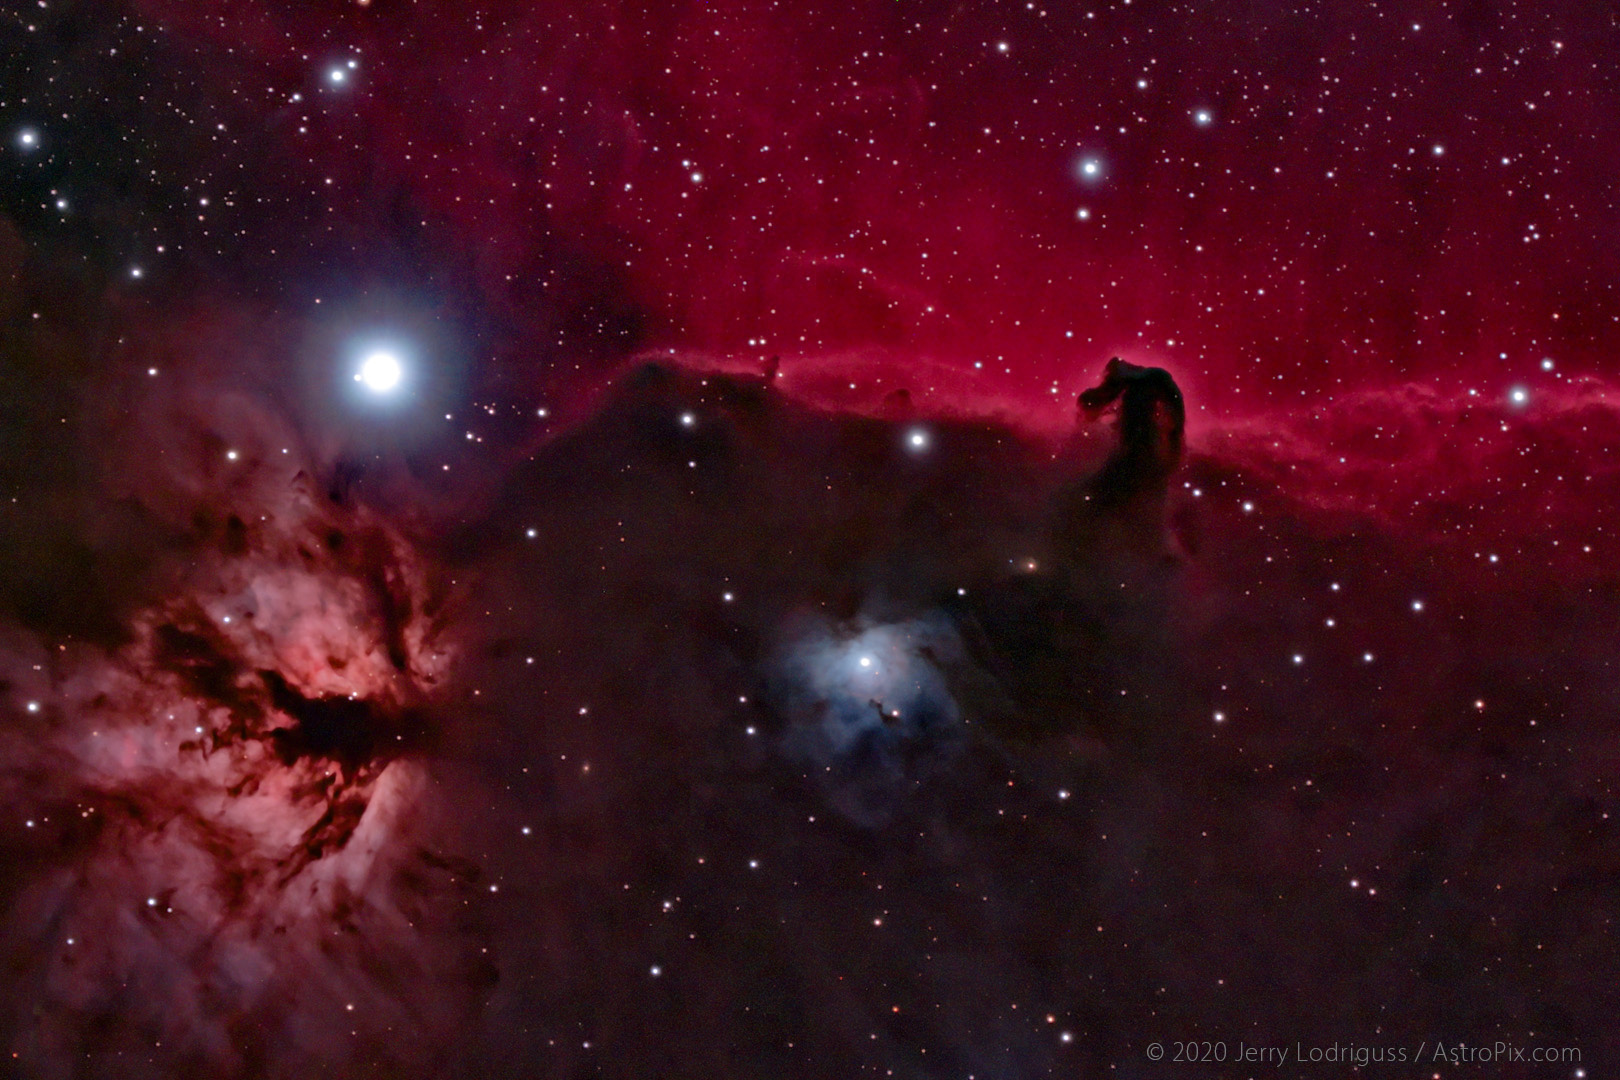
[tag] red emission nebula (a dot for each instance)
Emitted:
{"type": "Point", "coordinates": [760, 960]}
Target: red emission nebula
{"type": "Point", "coordinates": [939, 541]}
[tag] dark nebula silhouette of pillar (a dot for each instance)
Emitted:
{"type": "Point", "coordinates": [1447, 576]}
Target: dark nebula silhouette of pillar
{"type": "Point", "coordinates": [1125, 499]}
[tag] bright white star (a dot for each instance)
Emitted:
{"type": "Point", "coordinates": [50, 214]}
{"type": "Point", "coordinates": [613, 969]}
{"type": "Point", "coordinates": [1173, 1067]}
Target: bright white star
{"type": "Point", "coordinates": [380, 372]}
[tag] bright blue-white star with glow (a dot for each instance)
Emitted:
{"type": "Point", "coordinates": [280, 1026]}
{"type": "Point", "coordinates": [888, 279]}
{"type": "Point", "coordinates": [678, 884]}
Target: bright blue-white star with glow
{"type": "Point", "coordinates": [380, 372]}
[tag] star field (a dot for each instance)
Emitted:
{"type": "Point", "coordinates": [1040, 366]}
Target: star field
{"type": "Point", "coordinates": [563, 540]}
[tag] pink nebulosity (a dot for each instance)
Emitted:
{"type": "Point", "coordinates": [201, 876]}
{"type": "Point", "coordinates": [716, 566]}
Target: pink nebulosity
{"type": "Point", "coordinates": [232, 840]}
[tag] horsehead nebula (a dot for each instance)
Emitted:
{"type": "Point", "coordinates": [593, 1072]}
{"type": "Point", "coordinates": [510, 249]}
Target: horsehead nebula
{"type": "Point", "coordinates": [704, 540]}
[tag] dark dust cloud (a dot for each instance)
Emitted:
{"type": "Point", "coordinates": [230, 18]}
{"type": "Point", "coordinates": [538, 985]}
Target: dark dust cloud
{"type": "Point", "coordinates": [913, 540]}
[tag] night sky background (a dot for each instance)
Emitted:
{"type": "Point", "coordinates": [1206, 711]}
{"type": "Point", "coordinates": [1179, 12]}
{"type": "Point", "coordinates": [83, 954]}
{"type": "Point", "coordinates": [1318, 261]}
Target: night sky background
{"type": "Point", "coordinates": [721, 654]}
